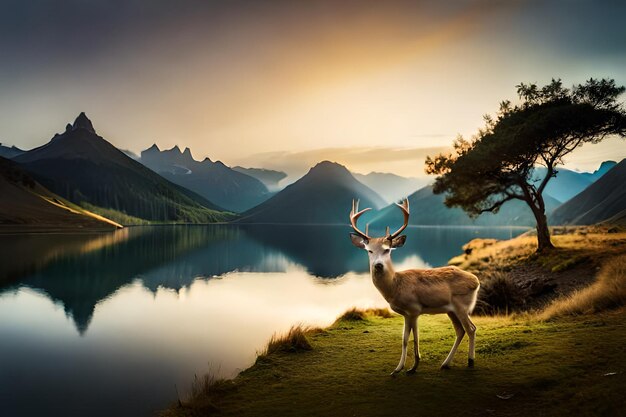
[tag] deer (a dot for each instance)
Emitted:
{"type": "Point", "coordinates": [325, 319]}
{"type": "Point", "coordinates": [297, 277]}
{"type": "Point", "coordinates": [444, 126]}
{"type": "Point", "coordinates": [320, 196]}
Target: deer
{"type": "Point", "coordinates": [413, 292]}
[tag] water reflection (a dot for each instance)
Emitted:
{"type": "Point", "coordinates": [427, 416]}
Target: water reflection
{"type": "Point", "coordinates": [140, 309]}
{"type": "Point", "coordinates": [78, 271]}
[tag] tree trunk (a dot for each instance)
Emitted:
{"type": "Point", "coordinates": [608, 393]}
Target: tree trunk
{"type": "Point", "coordinates": [543, 233]}
{"type": "Point", "coordinates": [535, 201]}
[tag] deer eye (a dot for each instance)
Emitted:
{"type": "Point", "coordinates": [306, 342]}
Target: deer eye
{"type": "Point", "coordinates": [386, 251]}
{"type": "Point", "coordinates": [370, 251]}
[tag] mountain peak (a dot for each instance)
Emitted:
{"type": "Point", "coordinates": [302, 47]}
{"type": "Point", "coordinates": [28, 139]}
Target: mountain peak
{"type": "Point", "coordinates": [329, 168]}
{"type": "Point", "coordinates": [154, 147]}
{"type": "Point", "coordinates": [83, 122]}
{"type": "Point", "coordinates": [187, 152]}
{"type": "Point", "coordinates": [606, 165]}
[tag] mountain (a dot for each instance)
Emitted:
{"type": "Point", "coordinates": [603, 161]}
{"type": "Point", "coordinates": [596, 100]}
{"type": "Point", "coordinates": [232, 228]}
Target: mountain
{"type": "Point", "coordinates": [323, 196]}
{"type": "Point", "coordinates": [268, 177]}
{"type": "Point", "coordinates": [11, 152]}
{"type": "Point", "coordinates": [130, 154]}
{"type": "Point", "coordinates": [392, 187]}
{"type": "Point", "coordinates": [428, 208]}
{"type": "Point", "coordinates": [214, 181]}
{"type": "Point", "coordinates": [603, 169]}
{"type": "Point", "coordinates": [603, 201]}
{"type": "Point", "coordinates": [27, 206]}
{"type": "Point", "coordinates": [84, 168]}
{"type": "Point", "coordinates": [565, 185]}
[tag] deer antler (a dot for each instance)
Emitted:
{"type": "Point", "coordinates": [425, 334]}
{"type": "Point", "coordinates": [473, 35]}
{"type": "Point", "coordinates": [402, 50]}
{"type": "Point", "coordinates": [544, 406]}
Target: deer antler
{"type": "Point", "coordinates": [354, 216]}
{"type": "Point", "coordinates": [405, 210]}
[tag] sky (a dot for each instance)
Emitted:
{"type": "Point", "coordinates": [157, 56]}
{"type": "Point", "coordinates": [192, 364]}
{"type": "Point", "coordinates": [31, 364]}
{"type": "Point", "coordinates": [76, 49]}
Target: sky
{"type": "Point", "coordinates": [283, 84]}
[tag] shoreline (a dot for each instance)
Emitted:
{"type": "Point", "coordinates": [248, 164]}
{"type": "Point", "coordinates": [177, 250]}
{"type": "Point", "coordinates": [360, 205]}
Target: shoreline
{"type": "Point", "coordinates": [524, 366]}
{"type": "Point", "coordinates": [526, 363]}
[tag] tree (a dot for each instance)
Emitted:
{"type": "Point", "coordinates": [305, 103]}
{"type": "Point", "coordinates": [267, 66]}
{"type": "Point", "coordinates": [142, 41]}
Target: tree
{"type": "Point", "coordinates": [498, 164]}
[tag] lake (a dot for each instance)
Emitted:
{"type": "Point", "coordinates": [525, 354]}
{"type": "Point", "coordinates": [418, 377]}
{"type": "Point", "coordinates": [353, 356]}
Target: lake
{"type": "Point", "coordinates": [119, 323]}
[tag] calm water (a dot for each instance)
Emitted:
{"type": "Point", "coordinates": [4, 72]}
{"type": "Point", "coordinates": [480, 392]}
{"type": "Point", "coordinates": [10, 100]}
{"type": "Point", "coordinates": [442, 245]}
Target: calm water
{"type": "Point", "coordinates": [110, 324]}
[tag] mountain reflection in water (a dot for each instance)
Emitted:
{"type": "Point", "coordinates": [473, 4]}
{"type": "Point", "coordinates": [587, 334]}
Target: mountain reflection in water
{"type": "Point", "coordinates": [136, 311]}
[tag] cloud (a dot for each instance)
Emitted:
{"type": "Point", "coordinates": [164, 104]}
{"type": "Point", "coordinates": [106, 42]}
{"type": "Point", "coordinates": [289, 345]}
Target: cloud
{"type": "Point", "coordinates": [402, 161]}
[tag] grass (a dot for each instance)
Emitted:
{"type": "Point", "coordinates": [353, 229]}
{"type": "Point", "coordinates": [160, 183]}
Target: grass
{"type": "Point", "coordinates": [115, 215]}
{"type": "Point", "coordinates": [498, 294]}
{"type": "Point", "coordinates": [356, 314]}
{"type": "Point", "coordinates": [607, 292]}
{"type": "Point", "coordinates": [515, 278]}
{"type": "Point", "coordinates": [523, 367]}
{"type": "Point", "coordinates": [567, 359]}
{"type": "Point", "coordinates": [295, 340]}
{"type": "Point", "coordinates": [573, 246]}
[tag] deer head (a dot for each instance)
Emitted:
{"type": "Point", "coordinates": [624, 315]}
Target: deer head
{"type": "Point", "coordinates": [378, 248]}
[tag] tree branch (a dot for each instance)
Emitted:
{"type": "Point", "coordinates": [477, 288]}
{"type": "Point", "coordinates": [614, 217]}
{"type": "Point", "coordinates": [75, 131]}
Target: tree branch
{"type": "Point", "coordinates": [496, 205]}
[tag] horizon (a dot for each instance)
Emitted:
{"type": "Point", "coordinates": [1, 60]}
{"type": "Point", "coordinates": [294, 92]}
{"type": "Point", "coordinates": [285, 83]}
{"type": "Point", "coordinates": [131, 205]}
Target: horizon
{"type": "Point", "coordinates": [295, 172]}
{"type": "Point", "coordinates": [374, 87]}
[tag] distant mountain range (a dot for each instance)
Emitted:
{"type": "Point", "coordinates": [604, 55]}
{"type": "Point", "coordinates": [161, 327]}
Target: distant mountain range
{"type": "Point", "coordinates": [392, 187]}
{"type": "Point", "coordinates": [231, 189]}
{"type": "Point", "coordinates": [603, 169]}
{"type": "Point", "coordinates": [84, 168]}
{"type": "Point", "coordinates": [428, 208]}
{"type": "Point", "coordinates": [26, 204]}
{"type": "Point", "coordinates": [268, 177]}
{"type": "Point", "coordinates": [602, 201]}
{"type": "Point", "coordinates": [323, 196]}
{"type": "Point", "coordinates": [568, 183]}
{"type": "Point", "coordinates": [565, 185]}
{"type": "Point", "coordinates": [79, 173]}
{"type": "Point", "coordinates": [10, 152]}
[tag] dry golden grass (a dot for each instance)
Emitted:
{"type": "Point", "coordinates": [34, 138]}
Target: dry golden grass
{"type": "Point", "coordinates": [358, 314]}
{"type": "Point", "coordinates": [295, 340]}
{"type": "Point", "coordinates": [606, 293]}
{"type": "Point", "coordinates": [574, 245]}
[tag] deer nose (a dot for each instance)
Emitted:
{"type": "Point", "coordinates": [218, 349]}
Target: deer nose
{"type": "Point", "coordinates": [378, 266]}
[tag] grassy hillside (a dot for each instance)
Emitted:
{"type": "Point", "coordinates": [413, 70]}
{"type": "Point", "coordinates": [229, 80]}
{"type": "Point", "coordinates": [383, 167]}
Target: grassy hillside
{"type": "Point", "coordinates": [26, 206]}
{"type": "Point", "coordinates": [84, 168]}
{"type": "Point", "coordinates": [524, 367]}
{"type": "Point", "coordinates": [567, 359]}
{"type": "Point", "coordinates": [515, 278]}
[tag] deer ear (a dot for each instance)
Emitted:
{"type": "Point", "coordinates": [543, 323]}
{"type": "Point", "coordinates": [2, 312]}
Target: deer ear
{"type": "Point", "coordinates": [358, 241]}
{"type": "Point", "coordinates": [398, 242]}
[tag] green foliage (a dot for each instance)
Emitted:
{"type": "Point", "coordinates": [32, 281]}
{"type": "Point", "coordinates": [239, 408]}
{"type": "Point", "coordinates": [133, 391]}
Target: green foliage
{"type": "Point", "coordinates": [115, 215]}
{"type": "Point", "coordinates": [523, 367]}
{"type": "Point", "coordinates": [498, 164]}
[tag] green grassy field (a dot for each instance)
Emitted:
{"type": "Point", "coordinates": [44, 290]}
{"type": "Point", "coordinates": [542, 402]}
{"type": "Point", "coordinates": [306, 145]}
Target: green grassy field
{"type": "Point", "coordinates": [523, 367]}
{"type": "Point", "coordinates": [564, 355]}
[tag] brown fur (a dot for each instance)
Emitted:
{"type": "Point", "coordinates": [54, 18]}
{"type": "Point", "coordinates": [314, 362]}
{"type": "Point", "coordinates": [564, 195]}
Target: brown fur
{"type": "Point", "coordinates": [413, 292]}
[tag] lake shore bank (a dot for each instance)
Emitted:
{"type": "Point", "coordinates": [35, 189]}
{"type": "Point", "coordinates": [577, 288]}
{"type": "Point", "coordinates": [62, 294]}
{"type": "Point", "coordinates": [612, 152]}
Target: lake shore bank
{"type": "Point", "coordinates": [524, 365]}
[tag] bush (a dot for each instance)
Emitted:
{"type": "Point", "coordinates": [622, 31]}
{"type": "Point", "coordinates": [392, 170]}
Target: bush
{"type": "Point", "coordinates": [295, 340]}
{"type": "Point", "coordinates": [606, 293]}
{"type": "Point", "coordinates": [498, 295]}
{"type": "Point", "coordinates": [357, 314]}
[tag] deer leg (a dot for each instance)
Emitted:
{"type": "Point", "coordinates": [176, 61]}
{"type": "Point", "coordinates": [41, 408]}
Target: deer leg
{"type": "Point", "coordinates": [416, 345]}
{"type": "Point", "coordinates": [460, 332]}
{"type": "Point", "coordinates": [470, 328]}
{"type": "Point", "coordinates": [405, 343]}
